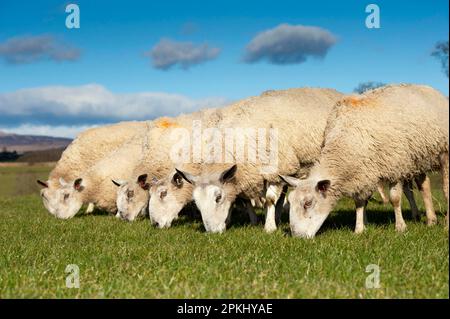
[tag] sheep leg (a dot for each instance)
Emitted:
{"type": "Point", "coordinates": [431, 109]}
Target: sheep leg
{"type": "Point", "coordinates": [395, 195]}
{"type": "Point", "coordinates": [90, 208]}
{"type": "Point", "coordinates": [272, 194]}
{"type": "Point", "coordinates": [361, 219]}
{"type": "Point", "coordinates": [444, 172]}
{"type": "Point", "coordinates": [408, 190]}
{"type": "Point", "coordinates": [424, 186]}
{"type": "Point", "coordinates": [383, 196]}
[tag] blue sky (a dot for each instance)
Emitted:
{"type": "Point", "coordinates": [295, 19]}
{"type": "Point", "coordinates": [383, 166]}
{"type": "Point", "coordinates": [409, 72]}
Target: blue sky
{"type": "Point", "coordinates": [115, 36]}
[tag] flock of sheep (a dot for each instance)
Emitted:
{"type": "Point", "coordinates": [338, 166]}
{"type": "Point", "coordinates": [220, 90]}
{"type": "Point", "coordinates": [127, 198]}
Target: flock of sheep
{"type": "Point", "coordinates": [328, 146]}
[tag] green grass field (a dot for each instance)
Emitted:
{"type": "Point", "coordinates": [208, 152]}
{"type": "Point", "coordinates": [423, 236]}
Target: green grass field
{"type": "Point", "coordinates": [134, 260]}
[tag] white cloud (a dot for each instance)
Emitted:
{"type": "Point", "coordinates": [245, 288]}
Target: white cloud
{"type": "Point", "coordinates": [92, 104]}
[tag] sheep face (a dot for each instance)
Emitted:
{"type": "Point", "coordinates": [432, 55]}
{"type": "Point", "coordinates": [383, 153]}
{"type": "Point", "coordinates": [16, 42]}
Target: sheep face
{"type": "Point", "coordinates": [167, 198]}
{"type": "Point", "coordinates": [132, 198]}
{"type": "Point", "coordinates": [213, 196]}
{"type": "Point", "coordinates": [64, 201]}
{"type": "Point", "coordinates": [310, 204]}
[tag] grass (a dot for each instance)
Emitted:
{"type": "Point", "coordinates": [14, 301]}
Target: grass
{"type": "Point", "coordinates": [134, 260]}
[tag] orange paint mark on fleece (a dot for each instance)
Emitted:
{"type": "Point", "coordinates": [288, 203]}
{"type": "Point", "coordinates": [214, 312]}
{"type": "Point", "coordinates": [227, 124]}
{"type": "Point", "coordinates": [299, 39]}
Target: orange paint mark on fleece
{"type": "Point", "coordinates": [166, 123]}
{"type": "Point", "coordinates": [355, 101]}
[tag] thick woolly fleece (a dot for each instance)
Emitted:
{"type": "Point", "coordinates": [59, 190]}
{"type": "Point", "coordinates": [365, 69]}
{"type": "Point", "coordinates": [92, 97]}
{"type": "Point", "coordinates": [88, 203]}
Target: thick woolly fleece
{"type": "Point", "coordinates": [299, 116]}
{"type": "Point", "coordinates": [393, 133]}
{"type": "Point", "coordinates": [90, 146]}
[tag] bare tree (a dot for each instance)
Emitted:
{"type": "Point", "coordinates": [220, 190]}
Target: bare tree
{"type": "Point", "coordinates": [440, 52]}
{"type": "Point", "coordinates": [367, 86]}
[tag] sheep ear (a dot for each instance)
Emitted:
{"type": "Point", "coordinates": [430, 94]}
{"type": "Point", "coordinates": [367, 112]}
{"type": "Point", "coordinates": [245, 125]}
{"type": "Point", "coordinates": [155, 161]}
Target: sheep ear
{"type": "Point", "coordinates": [228, 174]}
{"type": "Point", "coordinates": [78, 184]}
{"type": "Point", "coordinates": [323, 186]}
{"type": "Point", "coordinates": [62, 182]}
{"type": "Point", "coordinates": [116, 183]}
{"type": "Point", "coordinates": [291, 181]}
{"type": "Point", "coordinates": [177, 180]}
{"type": "Point", "coordinates": [43, 184]}
{"type": "Point", "coordinates": [191, 179]}
{"type": "Point", "coordinates": [119, 183]}
{"type": "Point", "coordinates": [142, 181]}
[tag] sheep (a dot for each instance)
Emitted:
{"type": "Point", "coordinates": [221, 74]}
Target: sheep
{"type": "Point", "coordinates": [299, 118]}
{"type": "Point", "coordinates": [162, 210]}
{"type": "Point", "coordinates": [98, 184]}
{"type": "Point", "coordinates": [169, 195]}
{"type": "Point", "coordinates": [94, 184]}
{"type": "Point", "coordinates": [88, 148]}
{"type": "Point", "coordinates": [132, 196]}
{"type": "Point", "coordinates": [391, 134]}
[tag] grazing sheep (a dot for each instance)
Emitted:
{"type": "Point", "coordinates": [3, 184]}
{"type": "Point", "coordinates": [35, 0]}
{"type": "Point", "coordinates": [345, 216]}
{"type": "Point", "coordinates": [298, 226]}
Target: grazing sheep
{"type": "Point", "coordinates": [154, 161]}
{"type": "Point", "coordinates": [299, 116]}
{"type": "Point", "coordinates": [88, 148]}
{"type": "Point", "coordinates": [169, 195]}
{"type": "Point", "coordinates": [94, 184]}
{"type": "Point", "coordinates": [391, 134]}
{"type": "Point", "coordinates": [99, 183]}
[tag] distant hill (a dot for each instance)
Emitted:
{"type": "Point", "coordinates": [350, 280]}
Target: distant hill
{"type": "Point", "coordinates": [28, 143]}
{"type": "Point", "coordinates": [52, 155]}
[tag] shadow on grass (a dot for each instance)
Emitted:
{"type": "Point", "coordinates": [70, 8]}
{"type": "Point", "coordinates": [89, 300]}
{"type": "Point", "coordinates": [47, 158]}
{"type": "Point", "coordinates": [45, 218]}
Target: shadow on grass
{"type": "Point", "coordinates": [95, 212]}
{"type": "Point", "coordinates": [346, 219]}
{"type": "Point", "coordinates": [342, 218]}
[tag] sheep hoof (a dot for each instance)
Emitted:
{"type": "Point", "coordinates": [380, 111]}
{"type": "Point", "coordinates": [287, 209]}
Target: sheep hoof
{"type": "Point", "coordinates": [359, 230]}
{"type": "Point", "coordinates": [90, 208]}
{"type": "Point", "coordinates": [270, 228]}
{"type": "Point", "coordinates": [400, 227]}
{"type": "Point", "coordinates": [431, 221]}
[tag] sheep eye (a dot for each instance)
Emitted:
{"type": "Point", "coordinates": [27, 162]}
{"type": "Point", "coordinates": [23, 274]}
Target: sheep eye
{"type": "Point", "coordinates": [130, 194]}
{"type": "Point", "coordinates": [307, 204]}
{"type": "Point", "coordinates": [218, 198]}
{"type": "Point", "coordinates": [163, 194]}
{"type": "Point", "coordinates": [66, 196]}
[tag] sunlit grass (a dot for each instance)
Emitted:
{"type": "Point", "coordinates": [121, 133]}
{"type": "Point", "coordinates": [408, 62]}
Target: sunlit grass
{"type": "Point", "coordinates": [119, 259]}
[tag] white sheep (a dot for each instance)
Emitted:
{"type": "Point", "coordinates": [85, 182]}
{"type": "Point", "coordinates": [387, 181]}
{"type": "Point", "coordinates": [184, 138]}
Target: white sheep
{"type": "Point", "coordinates": [99, 183]}
{"type": "Point", "coordinates": [88, 148]}
{"type": "Point", "coordinates": [170, 194]}
{"type": "Point", "coordinates": [299, 118]}
{"type": "Point", "coordinates": [391, 134]}
{"type": "Point", "coordinates": [155, 161]}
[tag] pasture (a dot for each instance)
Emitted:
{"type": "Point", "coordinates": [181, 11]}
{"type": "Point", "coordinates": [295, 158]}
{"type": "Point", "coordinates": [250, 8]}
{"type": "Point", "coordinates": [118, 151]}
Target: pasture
{"type": "Point", "coordinates": [135, 260]}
